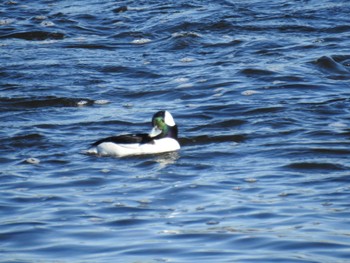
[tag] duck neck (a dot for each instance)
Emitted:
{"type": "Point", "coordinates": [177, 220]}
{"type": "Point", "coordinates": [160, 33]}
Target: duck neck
{"type": "Point", "coordinates": [168, 132]}
{"type": "Point", "coordinates": [171, 132]}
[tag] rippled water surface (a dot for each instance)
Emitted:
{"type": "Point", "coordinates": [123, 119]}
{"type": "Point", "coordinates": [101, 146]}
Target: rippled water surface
{"type": "Point", "coordinates": [260, 92]}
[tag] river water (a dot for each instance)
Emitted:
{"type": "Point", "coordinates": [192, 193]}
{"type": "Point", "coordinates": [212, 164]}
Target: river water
{"type": "Point", "coordinates": [260, 93]}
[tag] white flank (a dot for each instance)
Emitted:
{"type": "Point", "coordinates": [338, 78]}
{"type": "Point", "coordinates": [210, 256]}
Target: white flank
{"type": "Point", "coordinates": [120, 150]}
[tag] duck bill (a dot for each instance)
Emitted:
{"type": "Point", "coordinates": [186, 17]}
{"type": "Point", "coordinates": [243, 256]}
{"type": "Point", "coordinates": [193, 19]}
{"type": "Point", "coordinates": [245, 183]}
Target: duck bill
{"type": "Point", "coordinates": [155, 132]}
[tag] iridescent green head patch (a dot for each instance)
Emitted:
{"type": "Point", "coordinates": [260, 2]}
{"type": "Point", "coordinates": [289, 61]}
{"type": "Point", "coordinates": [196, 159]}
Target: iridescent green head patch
{"type": "Point", "coordinates": [159, 122]}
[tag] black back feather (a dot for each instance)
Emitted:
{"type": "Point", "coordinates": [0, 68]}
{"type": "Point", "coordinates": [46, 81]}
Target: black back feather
{"type": "Point", "coordinates": [125, 139]}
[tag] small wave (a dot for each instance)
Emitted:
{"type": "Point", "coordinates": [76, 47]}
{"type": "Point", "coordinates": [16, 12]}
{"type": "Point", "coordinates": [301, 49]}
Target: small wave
{"type": "Point", "coordinates": [101, 102]}
{"type": "Point", "coordinates": [35, 35]}
{"type": "Point", "coordinates": [250, 92]}
{"type": "Point", "coordinates": [90, 46]}
{"type": "Point", "coordinates": [220, 25]}
{"type": "Point", "coordinates": [338, 29]}
{"type": "Point", "coordinates": [130, 72]}
{"type": "Point", "coordinates": [343, 59]}
{"type": "Point", "coordinates": [141, 41]}
{"type": "Point", "coordinates": [256, 72]}
{"type": "Point", "coordinates": [120, 9]}
{"type": "Point", "coordinates": [264, 110]}
{"type": "Point", "coordinates": [330, 65]}
{"type": "Point", "coordinates": [6, 21]}
{"type": "Point", "coordinates": [183, 39]}
{"type": "Point", "coordinates": [126, 222]}
{"type": "Point", "coordinates": [222, 43]}
{"type": "Point", "coordinates": [186, 34]}
{"type": "Point", "coordinates": [315, 166]}
{"type": "Point", "coordinates": [187, 60]}
{"type": "Point", "coordinates": [115, 69]}
{"type": "Point", "coordinates": [23, 141]}
{"type": "Point", "coordinates": [47, 23]}
{"type": "Point", "coordinates": [28, 137]}
{"type": "Point", "coordinates": [288, 28]}
{"type": "Point", "coordinates": [222, 124]}
{"type": "Point", "coordinates": [32, 160]}
{"type": "Point", "coordinates": [331, 151]}
{"type": "Point", "coordinates": [46, 102]}
{"type": "Point", "coordinates": [205, 139]}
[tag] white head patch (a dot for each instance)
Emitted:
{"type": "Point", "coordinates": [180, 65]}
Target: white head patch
{"type": "Point", "coordinates": [168, 119]}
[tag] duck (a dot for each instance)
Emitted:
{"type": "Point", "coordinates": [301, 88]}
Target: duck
{"type": "Point", "coordinates": [162, 138]}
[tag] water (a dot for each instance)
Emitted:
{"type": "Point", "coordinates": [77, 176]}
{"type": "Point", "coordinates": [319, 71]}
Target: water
{"type": "Point", "coordinates": [259, 90]}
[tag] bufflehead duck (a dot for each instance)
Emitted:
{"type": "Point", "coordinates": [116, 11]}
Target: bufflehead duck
{"type": "Point", "coordinates": [162, 138]}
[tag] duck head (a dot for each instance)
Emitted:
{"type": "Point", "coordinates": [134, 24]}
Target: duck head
{"type": "Point", "coordinates": [163, 126]}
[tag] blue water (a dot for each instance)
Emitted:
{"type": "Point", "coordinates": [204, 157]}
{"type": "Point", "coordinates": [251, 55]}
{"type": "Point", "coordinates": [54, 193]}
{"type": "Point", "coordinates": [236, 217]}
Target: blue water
{"type": "Point", "coordinates": [260, 92]}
